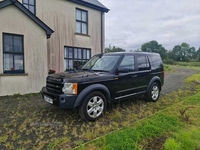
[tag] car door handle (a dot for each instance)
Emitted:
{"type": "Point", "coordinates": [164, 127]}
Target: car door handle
{"type": "Point", "coordinates": [134, 76]}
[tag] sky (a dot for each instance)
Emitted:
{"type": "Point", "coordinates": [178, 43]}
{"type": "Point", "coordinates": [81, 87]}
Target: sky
{"type": "Point", "coordinates": [131, 23]}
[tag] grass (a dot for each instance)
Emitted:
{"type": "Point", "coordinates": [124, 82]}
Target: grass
{"type": "Point", "coordinates": [194, 64]}
{"type": "Point", "coordinates": [168, 68]}
{"type": "Point", "coordinates": [183, 140]}
{"type": "Point", "coordinates": [128, 138]}
{"type": "Point", "coordinates": [27, 122]}
{"type": "Point", "coordinates": [185, 64]}
{"type": "Point", "coordinates": [191, 65]}
{"type": "Point", "coordinates": [169, 124]}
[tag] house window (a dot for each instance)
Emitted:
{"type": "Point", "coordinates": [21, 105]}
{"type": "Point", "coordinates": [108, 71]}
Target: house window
{"type": "Point", "coordinates": [13, 54]}
{"type": "Point", "coordinates": [74, 58]}
{"type": "Point", "coordinates": [81, 21]}
{"type": "Point", "coordinates": [30, 5]}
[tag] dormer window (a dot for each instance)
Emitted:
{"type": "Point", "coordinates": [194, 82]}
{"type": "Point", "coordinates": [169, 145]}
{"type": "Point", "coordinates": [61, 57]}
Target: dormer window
{"type": "Point", "coordinates": [30, 5]}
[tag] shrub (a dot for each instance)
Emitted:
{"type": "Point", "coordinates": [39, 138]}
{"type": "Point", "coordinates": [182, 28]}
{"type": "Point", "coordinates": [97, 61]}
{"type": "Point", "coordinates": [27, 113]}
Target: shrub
{"type": "Point", "coordinates": [169, 62]}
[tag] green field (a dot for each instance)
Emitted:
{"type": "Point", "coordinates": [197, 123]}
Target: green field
{"type": "Point", "coordinates": [179, 63]}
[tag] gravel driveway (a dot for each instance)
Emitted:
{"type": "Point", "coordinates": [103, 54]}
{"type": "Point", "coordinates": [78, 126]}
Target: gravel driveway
{"type": "Point", "coordinates": [175, 80]}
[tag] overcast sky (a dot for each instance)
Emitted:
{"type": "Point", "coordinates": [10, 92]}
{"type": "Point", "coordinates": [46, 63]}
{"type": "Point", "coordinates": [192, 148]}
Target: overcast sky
{"type": "Point", "coordinates": [130, 23]}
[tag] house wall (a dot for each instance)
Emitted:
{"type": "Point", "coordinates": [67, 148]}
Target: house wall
{"type": "Point", "coordinates": [35, 53]}
{"type": "Point", "coordinates": [61, 17]}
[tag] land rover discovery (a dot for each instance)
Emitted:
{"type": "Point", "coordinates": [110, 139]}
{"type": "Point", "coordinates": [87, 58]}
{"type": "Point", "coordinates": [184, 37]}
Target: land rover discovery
{"type": "Point", "coordinates": [104, 79]}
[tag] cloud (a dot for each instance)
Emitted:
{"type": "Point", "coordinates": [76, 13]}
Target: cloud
{"type": "Point", "coordinates": [130, 23]}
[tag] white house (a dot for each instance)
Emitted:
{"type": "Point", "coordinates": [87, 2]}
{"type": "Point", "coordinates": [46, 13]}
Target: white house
{"type": "Point", "coordinates": [38, 35]}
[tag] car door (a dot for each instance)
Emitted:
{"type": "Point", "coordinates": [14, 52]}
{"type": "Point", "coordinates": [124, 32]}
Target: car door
{"type": "Point", "coordinates": [143, 73]}
{"type": "Point", "coordinates": [126, 83]}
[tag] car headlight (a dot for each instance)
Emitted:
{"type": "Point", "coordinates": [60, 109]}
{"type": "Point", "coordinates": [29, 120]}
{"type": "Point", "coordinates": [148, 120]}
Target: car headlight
{"type": "Point", "coordinates": [70, 88]}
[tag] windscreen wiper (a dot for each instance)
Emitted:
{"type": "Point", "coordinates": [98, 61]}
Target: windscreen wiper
{"type": "Point", "coordinates": [90, 70]}
{"type": "Point", "coordinates": [101, 70]}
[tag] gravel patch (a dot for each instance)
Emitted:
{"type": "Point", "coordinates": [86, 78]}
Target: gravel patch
{"type": "Point", "coordinates": [175, 80]}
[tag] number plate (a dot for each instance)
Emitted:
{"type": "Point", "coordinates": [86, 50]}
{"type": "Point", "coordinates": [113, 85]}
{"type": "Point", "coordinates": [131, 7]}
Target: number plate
{"type": "Point", "coordinates": [47, 99]}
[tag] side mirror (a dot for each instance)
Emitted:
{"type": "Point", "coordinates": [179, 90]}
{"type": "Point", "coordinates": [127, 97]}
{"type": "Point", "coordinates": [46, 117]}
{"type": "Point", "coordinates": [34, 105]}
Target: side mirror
{"type": "Point", "coordinates": [122, 70]}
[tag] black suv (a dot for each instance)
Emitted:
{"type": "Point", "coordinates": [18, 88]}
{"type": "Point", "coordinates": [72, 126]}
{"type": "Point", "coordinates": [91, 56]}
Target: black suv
{"type": "Point", "coordinates": [104, 79]}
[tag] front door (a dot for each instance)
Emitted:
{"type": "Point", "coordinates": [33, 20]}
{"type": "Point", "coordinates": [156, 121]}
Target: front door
{"type": "Point", "coordinates": [126, 83]}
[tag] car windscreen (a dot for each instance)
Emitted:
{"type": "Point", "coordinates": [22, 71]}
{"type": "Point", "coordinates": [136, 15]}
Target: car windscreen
{"type": "Point", "coordinates": [101, 63]}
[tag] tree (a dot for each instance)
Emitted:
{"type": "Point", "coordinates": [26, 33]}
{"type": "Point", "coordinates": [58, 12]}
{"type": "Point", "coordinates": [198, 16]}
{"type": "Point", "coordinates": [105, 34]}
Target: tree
{"type": "Point", "coordinates": [198, 54]}
{"type": "Point", "coordinates": [113, 49]}
{"type": "Point", "coordinates": [184, 53]}
{"type": "Point", "coordinates": [176, 53]}
{"type": "Point", "coordinates": [153, 46]}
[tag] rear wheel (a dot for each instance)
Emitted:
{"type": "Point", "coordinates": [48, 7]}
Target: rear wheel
{"type": "Point", "coordinates": [93, 106]}
{"type": "Point", "coordinates": [153, 93]}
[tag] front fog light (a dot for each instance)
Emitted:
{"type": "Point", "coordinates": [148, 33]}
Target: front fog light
{"type": "Point", "coordinates": [62, 100]}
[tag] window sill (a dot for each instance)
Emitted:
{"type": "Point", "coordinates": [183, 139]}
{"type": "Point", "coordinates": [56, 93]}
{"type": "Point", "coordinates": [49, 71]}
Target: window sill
{"type": "Point", "coordinates": [82, 34]}
{"type": "Point", "coordinates": [15, 74]}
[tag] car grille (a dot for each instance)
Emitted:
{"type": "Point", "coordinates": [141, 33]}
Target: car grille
{"type": "Point", "coordinates": [54, 85]}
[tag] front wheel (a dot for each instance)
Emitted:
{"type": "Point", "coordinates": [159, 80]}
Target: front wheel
{"type": "Point", "coordinates": [153, 93]}
{"type": "Point", "coordinates": [93, 106]}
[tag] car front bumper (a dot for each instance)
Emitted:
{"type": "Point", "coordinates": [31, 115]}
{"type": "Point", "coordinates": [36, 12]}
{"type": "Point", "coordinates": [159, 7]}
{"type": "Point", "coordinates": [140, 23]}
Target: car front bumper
{"type": "Point", "coordinates": [62, 100]}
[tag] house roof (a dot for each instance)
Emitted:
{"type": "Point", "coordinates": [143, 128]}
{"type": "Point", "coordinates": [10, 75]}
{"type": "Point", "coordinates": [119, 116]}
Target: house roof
{"type": "Point", "coordinates": [6, 3]}
{"type": "Point", "coordinates": [95, 4]}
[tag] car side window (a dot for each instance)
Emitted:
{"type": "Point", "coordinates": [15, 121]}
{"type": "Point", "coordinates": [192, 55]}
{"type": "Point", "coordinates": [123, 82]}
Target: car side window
{"type": "Point", "coordinates": [143, 63]}
{"type": "Point", "coordinates": [128, 62]}
{"type": "Point", "coordinates": [156, 61]}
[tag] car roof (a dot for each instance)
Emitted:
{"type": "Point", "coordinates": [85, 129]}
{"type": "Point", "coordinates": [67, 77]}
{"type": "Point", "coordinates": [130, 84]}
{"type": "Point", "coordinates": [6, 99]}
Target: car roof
{"type": "Point", "coordinates": [140, 53]}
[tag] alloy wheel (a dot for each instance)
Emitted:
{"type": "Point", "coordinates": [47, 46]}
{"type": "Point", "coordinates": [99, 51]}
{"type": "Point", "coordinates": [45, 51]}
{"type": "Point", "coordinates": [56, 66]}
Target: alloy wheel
{"type": "Point", "coordinates": [95, 107]}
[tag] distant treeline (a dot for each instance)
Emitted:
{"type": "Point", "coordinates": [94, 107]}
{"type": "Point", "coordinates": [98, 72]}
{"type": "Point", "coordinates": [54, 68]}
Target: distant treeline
{"type": "Point", "coordinates": [180, 53]}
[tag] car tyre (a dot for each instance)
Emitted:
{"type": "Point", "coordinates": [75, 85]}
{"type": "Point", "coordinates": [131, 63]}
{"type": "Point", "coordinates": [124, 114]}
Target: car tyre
{"type": "Point", "coordinates": [153, 93]}
{"type": "Point", "coordinates": [93, 106]}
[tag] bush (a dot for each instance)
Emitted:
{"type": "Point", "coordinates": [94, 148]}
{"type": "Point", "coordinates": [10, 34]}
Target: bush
{"type": "Point", "coordinates": [169, 62]}
{"type": "Point", "coordinates": [167, 68]}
